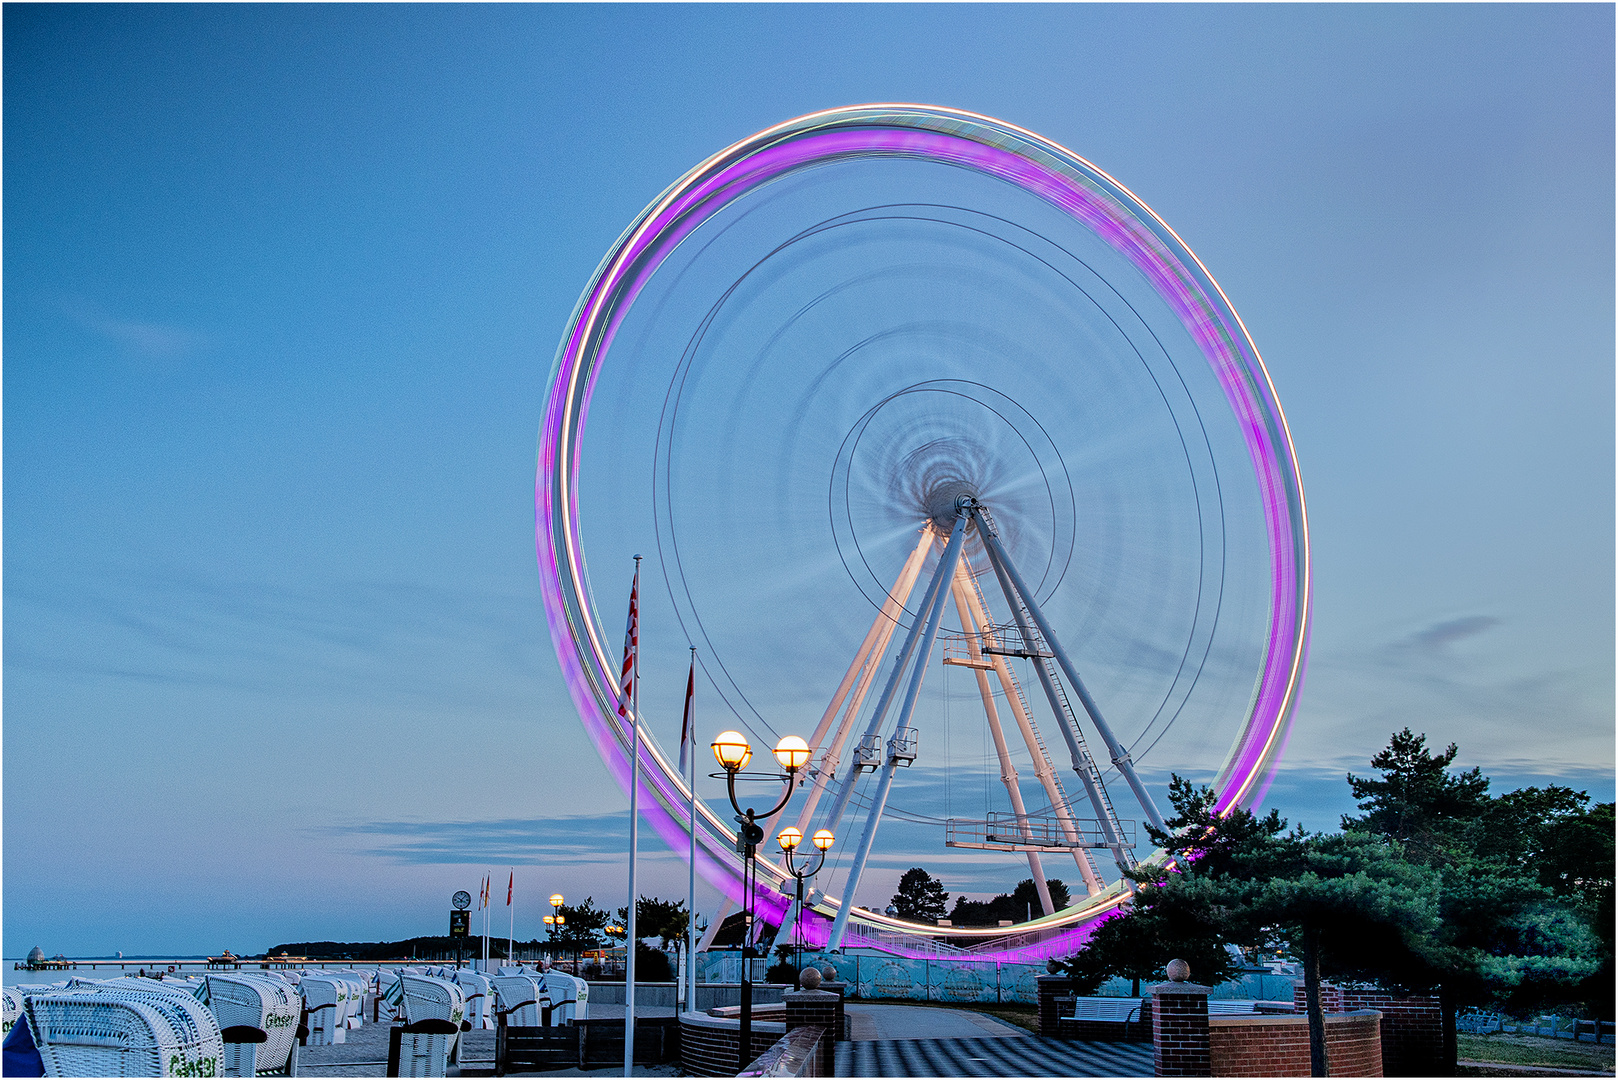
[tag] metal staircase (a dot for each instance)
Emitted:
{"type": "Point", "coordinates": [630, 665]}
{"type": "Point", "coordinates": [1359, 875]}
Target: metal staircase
{"type": "Point", "coordinates": [1040, 653]}
{"type": "Point", "coordinates": [992, 635]}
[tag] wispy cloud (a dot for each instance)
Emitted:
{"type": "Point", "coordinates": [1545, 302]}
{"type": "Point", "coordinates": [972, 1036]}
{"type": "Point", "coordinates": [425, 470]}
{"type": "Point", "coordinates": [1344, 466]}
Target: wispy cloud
{"type": "Point", "coordinates": [1502, 715]}
{"type": "Point", "coordinates": [145, 338]}
{"type": "Point", "coordinates": [600, 838]}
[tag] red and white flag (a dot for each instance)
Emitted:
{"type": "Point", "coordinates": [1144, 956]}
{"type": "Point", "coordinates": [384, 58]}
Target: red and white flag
{"type": "Point", "coordinates": [626, 678]}
{"type": "Point", "coordinates": [511, 883]}
{"type": "Point", "coordinates": [685, 722]}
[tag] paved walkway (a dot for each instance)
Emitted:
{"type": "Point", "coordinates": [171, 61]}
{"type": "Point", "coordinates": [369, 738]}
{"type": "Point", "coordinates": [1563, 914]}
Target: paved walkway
{"type": "Point", "coordinates": [877, 1022]}
{"type": "Point", "coordinates": [910, 1040]}
{"type": "Point", "coordinates": [1031, 1055]}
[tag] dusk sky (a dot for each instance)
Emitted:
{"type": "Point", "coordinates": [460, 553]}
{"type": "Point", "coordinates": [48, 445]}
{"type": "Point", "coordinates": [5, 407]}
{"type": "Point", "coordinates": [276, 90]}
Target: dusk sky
{"type": "Point", "coordinates": [283, 287]}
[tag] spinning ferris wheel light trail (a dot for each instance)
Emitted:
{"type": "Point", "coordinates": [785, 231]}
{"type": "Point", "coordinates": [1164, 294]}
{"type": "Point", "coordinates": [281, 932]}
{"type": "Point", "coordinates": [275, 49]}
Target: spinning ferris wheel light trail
{"type": "Point", "coordinates": [1014, 373]}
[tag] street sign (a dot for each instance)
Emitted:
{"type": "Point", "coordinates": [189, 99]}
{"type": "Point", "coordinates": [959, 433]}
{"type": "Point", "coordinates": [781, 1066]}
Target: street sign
{"type": "Point", "coordinates": [460, 923]}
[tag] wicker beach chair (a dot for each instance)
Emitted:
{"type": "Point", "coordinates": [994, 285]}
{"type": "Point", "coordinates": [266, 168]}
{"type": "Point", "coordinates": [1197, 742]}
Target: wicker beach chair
{"type": "Point", "coordinates": [268, 1006]}
{"type": "Point", "coordinates": [520, 999]}
{"type": "Point", "coordinates": [479, 993]}
{"type": "Point", "coordinates": [10, 1009]}
{"type": "Point", "coordinates": [570, 997]}
{"type": "Point", "coordinates": [98, 1032]}
{"type": "Point", "coordinates": [435, 1015]}
{"type": "Point", "coordinates": [323, 998]}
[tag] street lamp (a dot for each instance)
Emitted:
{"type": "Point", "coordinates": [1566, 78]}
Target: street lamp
{"type": "Point", "coordinates": [733, 752]}
{"type": "Point", "coordinates": [789, 840]}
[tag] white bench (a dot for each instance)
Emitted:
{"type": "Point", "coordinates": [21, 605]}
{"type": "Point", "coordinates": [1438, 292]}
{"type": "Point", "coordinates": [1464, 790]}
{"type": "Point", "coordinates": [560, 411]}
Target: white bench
{"type": "Point", "coordinates": [1105, 1010]}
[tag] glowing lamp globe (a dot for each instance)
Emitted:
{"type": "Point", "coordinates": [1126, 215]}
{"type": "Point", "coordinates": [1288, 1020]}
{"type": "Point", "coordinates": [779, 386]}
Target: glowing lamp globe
{"type": "Point", "coordinates": [789, 839]}
{"type": "Point", "coordinates": [824, 839]}
{"type": "Point", "coordinates": [792, 752]}
{"type": "Point", "coordinates": [731, 750]}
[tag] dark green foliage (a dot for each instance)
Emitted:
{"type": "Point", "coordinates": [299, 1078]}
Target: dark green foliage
{"type": "Point", "coordinates": [1418, 801]}
{"type": "Point", "coordinates": [583, 926]}
{"type": "Point", "coordinates": [652, 965]}
{"type": "Point", "coordinates": [921, 896]}
{"type": "Point", "coordinates": [1015, 905]}
{"type": "Point", "coordinates": [662, 919]}
{"type": "Point", "coordinates": [425, 948]}
{"type": "Point", "coordinates": [1436, 887]}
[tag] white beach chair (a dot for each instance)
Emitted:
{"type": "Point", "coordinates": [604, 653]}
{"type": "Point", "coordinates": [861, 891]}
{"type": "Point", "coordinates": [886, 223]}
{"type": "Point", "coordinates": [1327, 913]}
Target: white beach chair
{"type": "Point", "coordinates": [479, 998]}
{"type": "Point", "coordinates": [268, 1006]}
{"type": "Point", "coordinates": [10, 1009]}
{"type": "Point", "coordinates": [570, 997]}
{"type": "Point", "coordinates": [520, 999]}
{"type": "Point", "coordinates": [123, 1033]}
{"type": "Point", "coordinates": [426, 1000]}
{"type": "Point", "coordinates": [322, 997]}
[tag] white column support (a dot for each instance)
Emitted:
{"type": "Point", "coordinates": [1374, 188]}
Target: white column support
{"type": "Point", "coordinates": [935, 610]}
{"type": "Point", "coordinates": [1008, 772]}
{"type": "Point", "coordinates": [851, 775]}
{"type": "Point", "coordinates": [1080, 754]}
{"type": "Point", "coordinates": [1036, 749]}
{"type": "Point", "coordinates": [869, 662]}
{"type": "Point", "coordinates": [1120, 756]}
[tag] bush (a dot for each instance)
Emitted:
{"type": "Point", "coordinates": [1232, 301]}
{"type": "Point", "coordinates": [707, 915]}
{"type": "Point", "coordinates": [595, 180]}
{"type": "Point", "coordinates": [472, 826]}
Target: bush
{"type": "Point", "coordinates": [652, 965]}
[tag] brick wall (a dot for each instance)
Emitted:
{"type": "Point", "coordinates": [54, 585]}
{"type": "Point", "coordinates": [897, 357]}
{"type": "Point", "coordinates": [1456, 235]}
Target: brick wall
{"type": "Point", "coordinates": [1331, 998]}
{"type": "Point", "coordinates": [1180, 1030]}
{"type": "Point", "coordinates": [817, 1009]}
{"type": "Point", "coordinates": [1279, 1045]}
{"type": "Point", "coordinates": [709, 1044]}
{"type": "Point", "coordinates": [1412, 1030]}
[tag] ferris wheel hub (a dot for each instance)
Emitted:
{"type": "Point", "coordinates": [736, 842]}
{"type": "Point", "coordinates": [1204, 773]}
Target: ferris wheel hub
{"type": "Point", "coordinates": [947, 500]}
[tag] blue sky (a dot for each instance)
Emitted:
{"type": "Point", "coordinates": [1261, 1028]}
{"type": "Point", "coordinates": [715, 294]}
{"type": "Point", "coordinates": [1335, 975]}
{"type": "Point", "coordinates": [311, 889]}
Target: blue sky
{"type": "Point", "coordinates": [282, 289]}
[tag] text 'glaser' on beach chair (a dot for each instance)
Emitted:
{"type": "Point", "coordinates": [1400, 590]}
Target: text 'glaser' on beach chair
{"type": "Point", "coordinates": [124, 1033]}
{"type": "Point", "coordinates": [435, 1016]}
{"type": "Point", "coordinates": [271, 1007]}
{"type": "Point", "coordinates": [324, 998]}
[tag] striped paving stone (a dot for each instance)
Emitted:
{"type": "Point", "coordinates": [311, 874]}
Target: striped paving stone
{"type": "Point", "coordinates": [1030, 1056]}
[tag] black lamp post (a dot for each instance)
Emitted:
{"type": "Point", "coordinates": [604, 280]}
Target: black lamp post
{"type": "Point", "coordinates": [732, 752]}
{"type": "Point", "coordinates": [789, 840]}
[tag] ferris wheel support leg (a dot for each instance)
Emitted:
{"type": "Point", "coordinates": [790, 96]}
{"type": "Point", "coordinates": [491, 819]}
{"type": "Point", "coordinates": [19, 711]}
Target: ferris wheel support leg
{"type": "Point", "coordinates": [846, 790]}
{"type": "Point", "coordinates": [934, 611]}
{"type": "Point", "coordinates": [867, 663]}
{"type": "Point", "coordinates": [1008, 772]}
{"type": "Point", "coordinates": [1036, 748]}
{"type": "Point", "coordinates": [1120, 756]}
{"type": "Point", "coordinates": [1082, 765]}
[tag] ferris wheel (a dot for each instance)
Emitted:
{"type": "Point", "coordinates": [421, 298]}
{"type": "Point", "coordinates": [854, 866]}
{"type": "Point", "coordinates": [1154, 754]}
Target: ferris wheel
{"type": "Point", "coordinates": [958, 462]}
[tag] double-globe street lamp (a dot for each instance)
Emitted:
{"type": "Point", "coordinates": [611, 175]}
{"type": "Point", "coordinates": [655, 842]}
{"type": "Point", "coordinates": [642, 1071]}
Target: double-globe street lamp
{"type": "Point", "coordinates": [789, 839]}
{"type": "Point", "coordinates": [733, 752]}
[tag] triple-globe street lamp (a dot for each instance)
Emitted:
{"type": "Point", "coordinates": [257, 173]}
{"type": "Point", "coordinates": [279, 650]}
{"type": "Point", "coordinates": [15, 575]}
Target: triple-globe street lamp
{"type": "Point", "coordinates": [732, 750]}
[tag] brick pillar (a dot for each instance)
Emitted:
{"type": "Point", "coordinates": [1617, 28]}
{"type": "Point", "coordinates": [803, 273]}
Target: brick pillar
{"type": "Point", "coordinates": [1051, 987]}
{"type": "Point", "coordinates": [833, 986]}
{"type": "Point", "coordinates": [815, 1008]}
{"type": "Point", "coordinates": [1180, 1030]}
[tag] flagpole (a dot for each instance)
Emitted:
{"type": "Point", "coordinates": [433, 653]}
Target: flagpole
{"type": "Point", "coordinates": [511, 919]}
{"type": "Point", "coordinates": [691, 884]}
{"type": "Point", "coordinates": [634, 835]}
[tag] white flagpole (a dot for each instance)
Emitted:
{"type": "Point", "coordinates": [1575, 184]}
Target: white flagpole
{"type": "Point", "coordinates": [691, 883]}
{"type": "Point", "coordinates": [511, 920]}
{"type": "Point", "coordinates": [634, 836]}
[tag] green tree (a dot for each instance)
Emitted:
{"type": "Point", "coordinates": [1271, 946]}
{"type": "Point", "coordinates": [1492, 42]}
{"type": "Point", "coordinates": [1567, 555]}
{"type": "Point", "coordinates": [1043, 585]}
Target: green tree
{"type": "Point", "coordinates": [1418, 801]}
{"type": "Point", "coordinates": [662, 919]}
{"type": "Point", "coordinates": [921, 896]}
{"type": "Point", "coordinates": [583, 925]}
